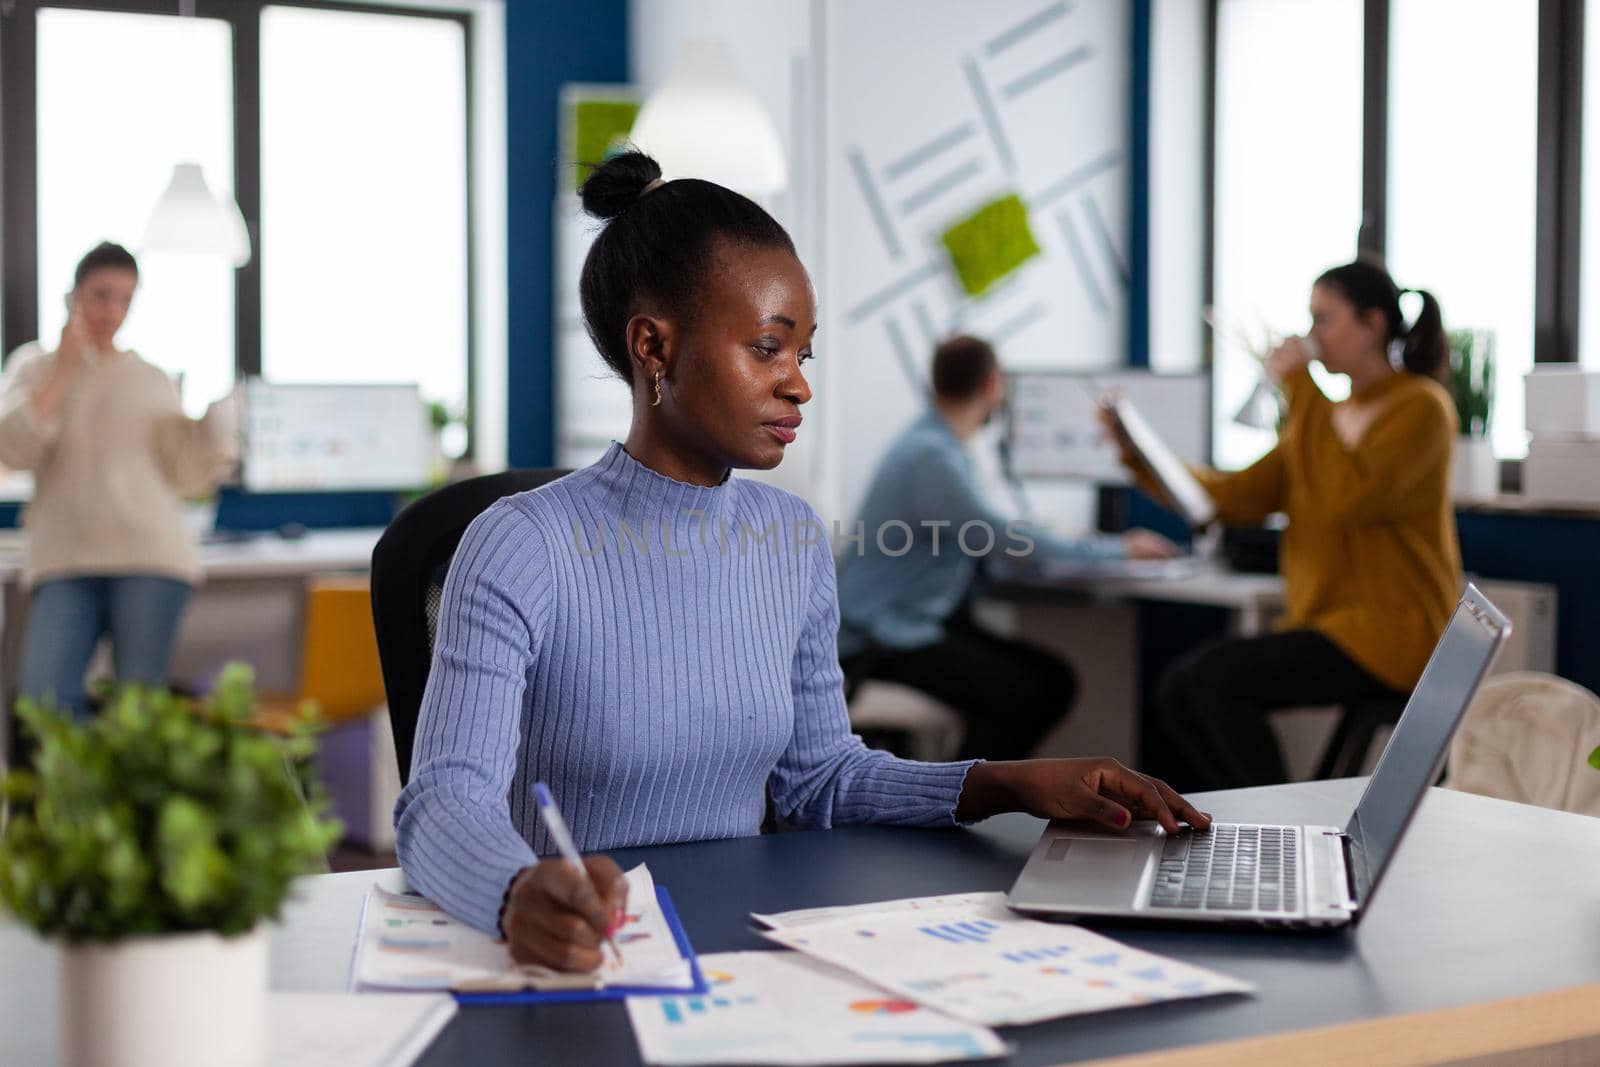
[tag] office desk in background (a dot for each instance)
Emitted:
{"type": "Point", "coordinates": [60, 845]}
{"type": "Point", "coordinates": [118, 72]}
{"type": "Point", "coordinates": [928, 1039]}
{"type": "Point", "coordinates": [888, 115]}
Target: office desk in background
{"type": "Point", "coordinates": [1486, 900]}
{"type": "Point", "coordinates": [252, 586]}
{"type": "Point", "coordinates": [1252, 600]}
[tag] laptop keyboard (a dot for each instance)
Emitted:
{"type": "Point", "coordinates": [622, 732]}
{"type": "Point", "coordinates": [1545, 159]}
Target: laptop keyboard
{"type": "Point", "coordinates": [1233, 867]}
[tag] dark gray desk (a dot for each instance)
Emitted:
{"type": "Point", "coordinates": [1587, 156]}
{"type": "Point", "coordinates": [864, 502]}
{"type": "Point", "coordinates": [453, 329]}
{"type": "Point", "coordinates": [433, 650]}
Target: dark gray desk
{"type": "Point", "coordinates": [1519, 913]}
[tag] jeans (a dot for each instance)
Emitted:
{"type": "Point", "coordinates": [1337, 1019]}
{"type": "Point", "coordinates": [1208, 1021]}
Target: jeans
{"type": "Point", "coordinates": [68, 616]}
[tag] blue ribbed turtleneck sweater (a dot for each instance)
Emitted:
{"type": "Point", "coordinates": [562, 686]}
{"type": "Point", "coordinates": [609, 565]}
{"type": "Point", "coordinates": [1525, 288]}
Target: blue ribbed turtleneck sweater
{"type": "Point", "coordinates": [663, 655]}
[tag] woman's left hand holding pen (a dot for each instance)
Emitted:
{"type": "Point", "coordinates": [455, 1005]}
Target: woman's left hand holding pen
{"type": "Point", "coordinates": [556, 917]}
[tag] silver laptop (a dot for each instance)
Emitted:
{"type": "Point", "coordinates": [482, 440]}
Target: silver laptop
{"type": "Point", "coordinates": [1292, 876]}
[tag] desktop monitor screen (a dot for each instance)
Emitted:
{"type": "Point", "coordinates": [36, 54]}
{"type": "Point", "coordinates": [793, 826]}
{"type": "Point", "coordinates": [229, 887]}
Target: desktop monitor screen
{"type": "Point", "coordinates": [1054, 432]}
{"type": "Point", "coordinates": [322, 437]}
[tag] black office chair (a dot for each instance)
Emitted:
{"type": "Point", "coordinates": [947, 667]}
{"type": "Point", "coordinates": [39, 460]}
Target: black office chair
{"type": "Point", "coordinates": [409, 566]}
{"type": "Point", "coordinates": [1359, 723]}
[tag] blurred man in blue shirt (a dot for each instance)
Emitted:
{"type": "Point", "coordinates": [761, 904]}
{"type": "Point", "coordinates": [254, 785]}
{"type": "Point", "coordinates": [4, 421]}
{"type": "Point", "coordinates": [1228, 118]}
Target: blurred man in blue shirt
{"type": "Point", "coordinates": [904, 586]}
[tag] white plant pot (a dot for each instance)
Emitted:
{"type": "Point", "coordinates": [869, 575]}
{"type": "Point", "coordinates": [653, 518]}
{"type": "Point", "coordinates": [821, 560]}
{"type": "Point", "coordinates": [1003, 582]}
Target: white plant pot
{"type": "Point", "coordinates": [180, 1000]}
{"type": "Point", "coordinates": [1474, 472]}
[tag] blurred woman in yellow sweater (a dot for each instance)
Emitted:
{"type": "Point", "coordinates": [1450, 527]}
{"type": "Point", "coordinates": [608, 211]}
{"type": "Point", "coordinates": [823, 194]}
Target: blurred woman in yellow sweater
{"type": "Point", "coordinates": [1370, 562]}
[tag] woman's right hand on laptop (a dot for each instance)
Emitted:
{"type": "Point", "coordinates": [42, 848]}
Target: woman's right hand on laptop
{"type": "Point", "coordinates": [1099, 789]}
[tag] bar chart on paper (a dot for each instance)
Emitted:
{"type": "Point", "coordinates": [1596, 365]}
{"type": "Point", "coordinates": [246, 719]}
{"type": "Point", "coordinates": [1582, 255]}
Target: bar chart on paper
{"type": "Point", "coordinates": [957, 933]}
{"type": "Point", "coordinates": [783, 1008]}
{"type": "Point", "coordinates": [1036, 955]}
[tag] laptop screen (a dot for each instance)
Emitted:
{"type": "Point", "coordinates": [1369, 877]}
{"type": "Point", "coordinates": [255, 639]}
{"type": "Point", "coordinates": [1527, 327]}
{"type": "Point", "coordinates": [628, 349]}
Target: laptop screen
{"type": "Point", "coordinates": [1412, 759]}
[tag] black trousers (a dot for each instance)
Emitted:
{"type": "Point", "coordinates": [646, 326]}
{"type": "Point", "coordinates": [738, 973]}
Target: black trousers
{"type": "Point", "coordinates": [1008, 693]}
{"type": "Point", "coordinates": [1214, 703]}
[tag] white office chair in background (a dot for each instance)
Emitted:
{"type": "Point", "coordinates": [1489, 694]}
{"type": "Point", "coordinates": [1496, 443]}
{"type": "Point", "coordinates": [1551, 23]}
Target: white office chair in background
{"type": "Point", "coordinates": [932, 730]}
{"type": "Point", "coordinates": [1527, 737]}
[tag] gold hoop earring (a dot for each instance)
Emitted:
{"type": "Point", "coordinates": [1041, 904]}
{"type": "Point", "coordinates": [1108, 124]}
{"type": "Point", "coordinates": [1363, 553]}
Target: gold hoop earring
{"type": "Point", "coordinates": [657, 401]}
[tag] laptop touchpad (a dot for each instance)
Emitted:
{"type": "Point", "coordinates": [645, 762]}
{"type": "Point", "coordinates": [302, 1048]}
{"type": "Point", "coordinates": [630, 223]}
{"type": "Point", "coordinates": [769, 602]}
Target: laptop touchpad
{"type": "Point", "coordinates": [1097, 871]}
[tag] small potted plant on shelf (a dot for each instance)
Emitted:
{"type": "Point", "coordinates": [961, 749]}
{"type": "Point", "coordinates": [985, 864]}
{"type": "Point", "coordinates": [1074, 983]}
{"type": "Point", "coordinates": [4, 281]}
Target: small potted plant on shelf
{"type": "Point", "coordinates": [1475, 473]}
{"type": "Point", "coordinates": [152, 842]}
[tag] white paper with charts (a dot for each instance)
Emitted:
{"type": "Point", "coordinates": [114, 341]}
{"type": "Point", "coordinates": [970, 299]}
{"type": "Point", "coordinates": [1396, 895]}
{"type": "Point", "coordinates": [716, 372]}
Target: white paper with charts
{"type": "Point", "coordinates": [409, 942]}
{"type": "Point", "coordinates": [981, 962]}
{"type": "Point", "coordinates": [783, 1008]}
{"type": "Point", "coordinates": [807, 916]}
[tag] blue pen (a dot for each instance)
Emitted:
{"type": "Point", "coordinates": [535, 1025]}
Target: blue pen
{"type": "Point", "coordinates": [557, 827]}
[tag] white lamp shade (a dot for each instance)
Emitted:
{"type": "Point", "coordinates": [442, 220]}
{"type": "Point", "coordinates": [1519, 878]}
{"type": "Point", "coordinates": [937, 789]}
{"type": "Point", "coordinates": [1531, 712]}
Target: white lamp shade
{"type": "Point", "coordinates": [702, 123]}
{"type": "Point", "coordinates": [190, 218]}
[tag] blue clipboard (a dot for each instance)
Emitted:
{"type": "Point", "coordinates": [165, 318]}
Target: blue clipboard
{"type": "Point", "coordinates": [610, 992]}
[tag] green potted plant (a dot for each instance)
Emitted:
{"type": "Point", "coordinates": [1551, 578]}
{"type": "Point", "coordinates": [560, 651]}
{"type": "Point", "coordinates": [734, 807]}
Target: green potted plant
{"type": "Point", "coordinates": [151, 842]}
{"type": "Point", "coordinates": [1475, 473]}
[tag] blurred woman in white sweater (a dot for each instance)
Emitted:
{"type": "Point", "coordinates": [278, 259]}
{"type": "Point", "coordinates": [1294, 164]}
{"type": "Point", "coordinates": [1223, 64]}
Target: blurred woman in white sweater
{"type": "Point", "coordinates": [113, 458]}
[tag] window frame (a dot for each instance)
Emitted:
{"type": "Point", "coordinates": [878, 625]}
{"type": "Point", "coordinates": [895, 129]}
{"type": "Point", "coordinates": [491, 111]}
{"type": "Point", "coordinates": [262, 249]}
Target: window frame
{"type": "Point", "coordinates": [1558, 178]}
{"type": "Point", "coordinates": [19, 199]}
{"type": "Point", "coordinates": [1558, 230]}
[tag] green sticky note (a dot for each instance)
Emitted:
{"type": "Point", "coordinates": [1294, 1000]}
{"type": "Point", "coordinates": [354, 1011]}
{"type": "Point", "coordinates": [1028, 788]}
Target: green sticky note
{"type": "Point", "coordinates": [990, 244]}
{"type": "Point", "coordinates": [600, 128]}
{"type": "Point", "coordinates": [1594, 759]}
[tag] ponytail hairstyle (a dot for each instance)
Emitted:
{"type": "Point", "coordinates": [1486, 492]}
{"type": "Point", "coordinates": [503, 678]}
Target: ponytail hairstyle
{"type": "Point", "coordinates": [1425, 349]}
{"type": "Point", "coordinates": [658, 246]}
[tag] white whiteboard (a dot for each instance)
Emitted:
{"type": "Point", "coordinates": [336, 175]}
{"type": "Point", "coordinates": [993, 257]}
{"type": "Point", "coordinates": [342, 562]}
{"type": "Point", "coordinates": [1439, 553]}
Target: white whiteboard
{"type": "Point", "coordinates": [313, 437]}
{"type": "Point", "coordinates": [1054, 433]}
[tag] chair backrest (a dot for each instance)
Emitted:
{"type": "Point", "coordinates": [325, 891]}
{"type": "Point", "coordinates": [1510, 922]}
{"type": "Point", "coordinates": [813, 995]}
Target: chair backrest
{"type": "Point", "coordinates": [1527, 737]}
{"type": "Point", "coordinates": [408, 571]}
{"type": "Point", "coordinates": [339, 667]}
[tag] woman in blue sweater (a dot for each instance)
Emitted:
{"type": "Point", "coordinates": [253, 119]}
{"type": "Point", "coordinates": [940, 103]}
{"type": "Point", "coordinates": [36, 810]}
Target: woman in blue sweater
{"type": "Point", "coordinates": [655, 638]}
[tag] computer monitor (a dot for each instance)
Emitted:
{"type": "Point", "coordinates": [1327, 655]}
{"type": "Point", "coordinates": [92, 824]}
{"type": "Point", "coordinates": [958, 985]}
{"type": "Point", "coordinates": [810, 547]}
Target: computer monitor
{"type": "Point", "coordinates": [1054, 433]}
{"type": "Point", "coordinates": [300, 437]}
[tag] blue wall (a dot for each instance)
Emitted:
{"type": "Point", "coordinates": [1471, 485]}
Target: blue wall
{"type": "Point", "coordinates": [547, 44]}
{"type": "Point", "coordinates": [1563, 551]}
{"type": "Point", "coordinates": [254, 512]}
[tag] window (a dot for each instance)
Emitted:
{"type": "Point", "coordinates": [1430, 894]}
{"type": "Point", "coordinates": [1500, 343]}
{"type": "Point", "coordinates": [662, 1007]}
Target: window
{"type": "Point", "coordinates": [1589, 268]}
{"type": "Point", "coordinates": [122, 98]}
{"type": "Point", "coordinates": [353, 129]}
{"type": "Point", "coordinates": [1287, 181]}
{"type": "Point", "coordinates": [1463, 117]}
{"type": "Point", "coordinates": [1177, 185]}
{"type": "Point", "coordinates": [364, 200]}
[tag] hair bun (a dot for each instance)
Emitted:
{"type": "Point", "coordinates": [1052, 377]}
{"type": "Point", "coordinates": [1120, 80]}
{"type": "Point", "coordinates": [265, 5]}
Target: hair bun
{"type": "Point", "coordinates": [613, 186]}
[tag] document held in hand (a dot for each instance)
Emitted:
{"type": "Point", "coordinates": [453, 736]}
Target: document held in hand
{"type": "Point", "coordinates": [1182, 488]}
